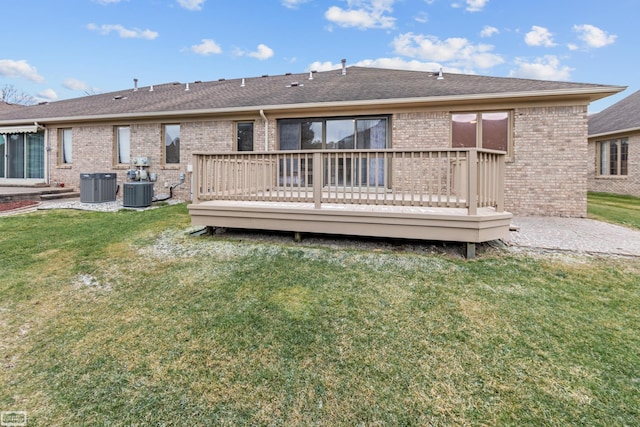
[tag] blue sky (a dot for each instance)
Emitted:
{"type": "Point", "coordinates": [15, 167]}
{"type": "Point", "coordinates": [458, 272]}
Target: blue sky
{"type": "Point", "coordinates": [67, 48]}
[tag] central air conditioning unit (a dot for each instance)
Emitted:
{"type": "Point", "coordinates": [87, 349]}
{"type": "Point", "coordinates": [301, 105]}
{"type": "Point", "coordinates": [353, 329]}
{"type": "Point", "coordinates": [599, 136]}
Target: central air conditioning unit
{"type": "Point", "coordinates": [137, 194]}
{"type": "Point", "coordinates": [98, 187]}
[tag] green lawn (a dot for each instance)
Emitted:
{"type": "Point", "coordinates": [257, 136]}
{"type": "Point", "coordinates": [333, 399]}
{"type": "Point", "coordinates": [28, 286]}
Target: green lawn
{"type": "Point", "coordinates": [125, 319]}
{"type": "Point", "coordinates": [624, 210]}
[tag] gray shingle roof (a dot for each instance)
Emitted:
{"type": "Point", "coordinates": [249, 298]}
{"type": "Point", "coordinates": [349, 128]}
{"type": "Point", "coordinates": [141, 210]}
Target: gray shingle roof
{"type": "Point", "coordinates": [360, 84]}
{"type": "Point", "coordinates": [623, 115]}
{"type": "Point", "coordinates": [5, 106]}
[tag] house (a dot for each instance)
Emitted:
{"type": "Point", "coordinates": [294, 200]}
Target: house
{"type": "Point", "coordinates": [614, 148]}
{"type": "Point", "coordinates": [361, 136]}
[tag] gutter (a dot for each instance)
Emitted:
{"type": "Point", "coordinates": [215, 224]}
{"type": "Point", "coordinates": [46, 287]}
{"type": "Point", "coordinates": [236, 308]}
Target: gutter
{"type": "Point", "coordinates": [614, 132]}
{"type": "Point", "coordinates": [596, 93]}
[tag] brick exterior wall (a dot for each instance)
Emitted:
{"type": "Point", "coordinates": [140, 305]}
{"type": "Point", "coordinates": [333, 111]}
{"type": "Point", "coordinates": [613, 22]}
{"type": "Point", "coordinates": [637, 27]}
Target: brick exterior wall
{"type": "Point", "coordinates": [546, 176]}
{"type": "Point", "coordinates": [547, 172]}
{"type": "Point", "coordinates": [629, 184]}
{"type": "Point", "coordinates": [94, 151]}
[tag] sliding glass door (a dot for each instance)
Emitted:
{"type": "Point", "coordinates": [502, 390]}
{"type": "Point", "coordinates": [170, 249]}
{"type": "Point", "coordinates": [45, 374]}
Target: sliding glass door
{"type": "Point", "coordinates": [23, 155]}
{"type": "Point", "coordinates": [347, 169]}
{"type": "Point", "coordinates": [3, 157]}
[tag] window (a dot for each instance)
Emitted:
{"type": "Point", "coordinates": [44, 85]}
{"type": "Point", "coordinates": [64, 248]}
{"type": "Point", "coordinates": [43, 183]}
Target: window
{"type": "Point", "coordinates": [352, 133]}
{"type": "Point", "coordinates": [613, 157]}
{"type": "Point", "coordinates": [244, 136]}
{"type": "Point", "coordinates": [17, 153]}
{"type": "Point", "coordinates": [3, 145]}
{"type": "Point", "coordinates": [123, 144]}
{"type": "Point", "coordinates": [171, 144]}
{"type": "Point", "coordinates": [65, 146]}
{"type": "Point", "coordinates": [22, 155]}
{"type": "Point", "coordinates": [332, 134]}
{"type": "Point", "coordinates": [488, 130]}
{"type": "Point", "coordinates": [35, 155]}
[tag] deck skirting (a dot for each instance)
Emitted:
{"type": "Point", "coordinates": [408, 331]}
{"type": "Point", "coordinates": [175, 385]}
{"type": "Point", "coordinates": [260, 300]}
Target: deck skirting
{"type": "Point", "coordinates": [442, 224]}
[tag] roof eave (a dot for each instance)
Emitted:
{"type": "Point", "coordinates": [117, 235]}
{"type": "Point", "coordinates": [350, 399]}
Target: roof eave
{"type": "Point", "coordinates": [614, 132]}
{"type": "Point", "coordinates": [590, 94]}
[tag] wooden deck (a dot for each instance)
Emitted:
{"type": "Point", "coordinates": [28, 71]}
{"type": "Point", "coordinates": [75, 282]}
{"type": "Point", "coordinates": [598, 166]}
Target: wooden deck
{"type": "Point", "coordinates": [453, 195]}
{"type": "Point", "coordinates": [445, 224]}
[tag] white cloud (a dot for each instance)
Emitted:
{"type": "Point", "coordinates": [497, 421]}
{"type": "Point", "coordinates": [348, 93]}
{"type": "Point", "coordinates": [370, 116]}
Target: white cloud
{"type": "Point", "coordinates": [47, 95]}
{"type": "Point", "coordinates": [572, 46]}
{"type": "Point", "coordinates": [75, 84]}
{"type": "Point", "coordinates": [362, 14]}
{"type": "Point", "coordinates": [206, 47]}
{"type": "Point", "coordinates": [547, 67]}
{"type": "Point", "coordinates": [263, 52]}
{"type": "Point", "coordinates": [594, 36]}
{"type": "Point", "coordinates": [489, 31]}
{"type": "Point", "coordinates": [292, 4]}
{"type": "Point", "coordinates": [476, 5]}
{"type": "Point", "coordinates": [390, 63]}
{"type": "Point", "coordinates": [422, 17]}
{"type": "Point", "coordinates": [191, 4]}
{"type": "Point", "coordinates": [323, 66]}
{"type": "Point", "coordinates": [457, 52]}
{"type": "Point", "coordinates": [399, 64]}
{"type": "Point", "coordinates": [539, 36]}
{"type": "Point", "coordinates": [19, 69]}
{"type": "Point", "coordinates": [123, 32]}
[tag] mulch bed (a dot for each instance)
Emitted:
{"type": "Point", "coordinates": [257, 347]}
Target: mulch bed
{"type": "Point", "coordinates": [9, 206]}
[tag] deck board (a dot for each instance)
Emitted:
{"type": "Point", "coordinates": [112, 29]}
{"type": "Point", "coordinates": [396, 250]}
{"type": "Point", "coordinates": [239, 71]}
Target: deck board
{"type": "Point", "coordinates": [413, 222]}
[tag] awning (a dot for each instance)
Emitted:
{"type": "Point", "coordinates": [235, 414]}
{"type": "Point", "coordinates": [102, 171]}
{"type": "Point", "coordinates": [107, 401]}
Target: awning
{"type": "Point", "coordinates": [19, 129]}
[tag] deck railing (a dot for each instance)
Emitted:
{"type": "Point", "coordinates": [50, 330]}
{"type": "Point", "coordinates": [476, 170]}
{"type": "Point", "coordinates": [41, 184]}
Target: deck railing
{"type": "Point", "coordinates": [458, 178]}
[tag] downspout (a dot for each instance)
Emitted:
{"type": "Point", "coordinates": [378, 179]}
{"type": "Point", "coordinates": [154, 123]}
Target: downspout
{"type": "Point", "coordinates": [266, 130]}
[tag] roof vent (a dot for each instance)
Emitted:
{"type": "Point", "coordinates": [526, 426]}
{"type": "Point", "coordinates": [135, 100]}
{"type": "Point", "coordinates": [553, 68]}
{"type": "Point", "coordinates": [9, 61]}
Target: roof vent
{"type": "Point", "coordinates": [294, 84]}
{"type": "Point", "coordinates": [117, 97]}
{"type": "Point", "coordinates": [198, 81]}
{"type": "Point", "coordinates": [287, 74]}
{"type": "Point", "coordinates": [310, 75]}
{"type": "Point", "coordinates": [265, 75]}
{"type": "Point", "coordinates": [242, 84]}
{"type": "Point", "coordinates": [221, 80]}
{"type": "Point", "coordinates": [344, 67]}
{"type": "Point", "coordinates": [135, 85]}
{"type": "Point", "coordinates": [151, 88]}
{"type": "Point", "coordinates": [440, 76]}
{"type": "Point", "coordinates": [186, 88]}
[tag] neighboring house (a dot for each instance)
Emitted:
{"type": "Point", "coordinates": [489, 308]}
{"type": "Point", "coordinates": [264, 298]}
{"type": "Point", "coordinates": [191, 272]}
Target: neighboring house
{"type": "Point", "coordinates": [539, 126]}
{"type": "Point", "coordinates": [614, 148]}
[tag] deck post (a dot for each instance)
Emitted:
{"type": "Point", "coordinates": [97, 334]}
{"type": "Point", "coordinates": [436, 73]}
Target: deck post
{"type": "Point", "coordinates": [472, 186]}
{"type": "Point", "coordinates": [471, 250]}
{"type": "Point", "coordinates": [317, 180]}
{"type": "Point", "coordinates": [501, 175]}
{"type": "Point", "coordinates": [195, 179]}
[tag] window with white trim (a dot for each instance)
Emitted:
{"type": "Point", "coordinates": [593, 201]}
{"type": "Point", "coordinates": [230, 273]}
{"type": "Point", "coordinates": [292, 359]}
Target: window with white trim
{"type": "Point", "coordinates": [123, 144]}
{"type": "Point", "coordinates": [66, 146]}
